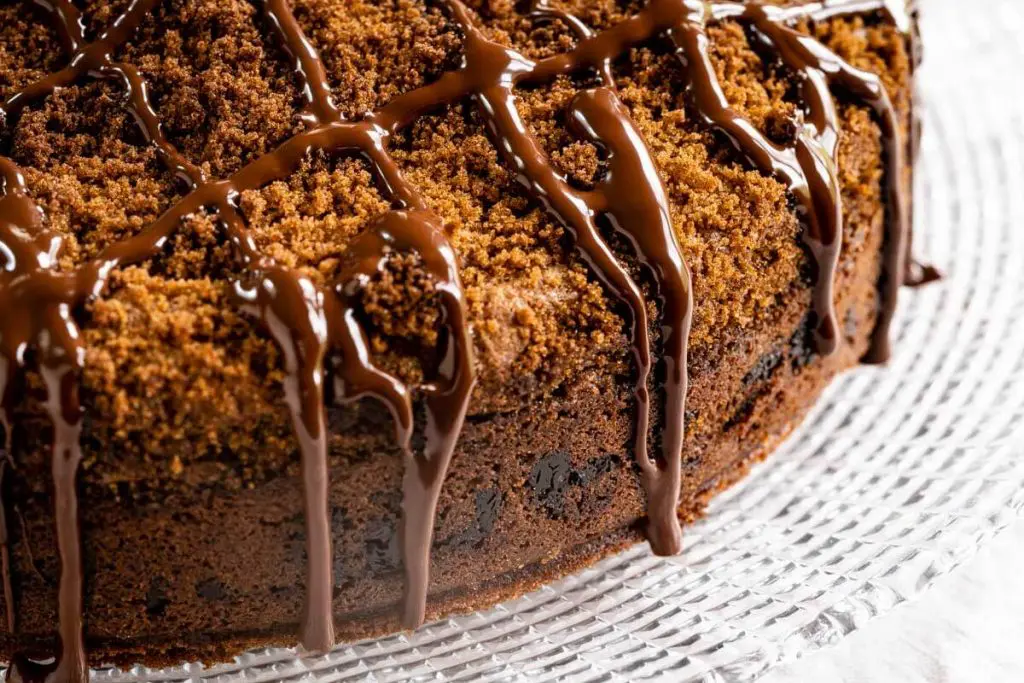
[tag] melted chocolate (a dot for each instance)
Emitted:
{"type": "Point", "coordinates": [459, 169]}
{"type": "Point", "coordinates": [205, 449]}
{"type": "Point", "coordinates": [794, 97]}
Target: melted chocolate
{"type": "Point", "coordinates": [917, 274]}
{"type": "Point", "coordinates": [5, 463]}
{"type": "Point", "coordinates": [318, 329]}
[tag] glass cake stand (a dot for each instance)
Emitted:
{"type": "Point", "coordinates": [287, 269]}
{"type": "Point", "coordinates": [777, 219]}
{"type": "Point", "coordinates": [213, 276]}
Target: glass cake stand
{"type": "Point", "coordinates": [898, 476]}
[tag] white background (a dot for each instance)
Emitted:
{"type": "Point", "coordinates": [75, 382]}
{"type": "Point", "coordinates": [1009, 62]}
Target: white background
{"type": "Point", "coordinates": [968, 628]}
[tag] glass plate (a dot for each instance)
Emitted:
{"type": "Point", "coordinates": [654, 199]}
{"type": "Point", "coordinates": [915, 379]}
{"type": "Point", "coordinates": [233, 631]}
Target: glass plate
{"type": "Point", "coordinates": [899, 474]}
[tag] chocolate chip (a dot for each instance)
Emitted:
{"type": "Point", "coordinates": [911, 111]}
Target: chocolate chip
{"type": "Point", "coordinates": [553, 476]}
{"type": "Point", "coordinates": [211, 589]}
{"type": "Point", "coordinates": [156, 596]}
{"type": "Point", "coordinates": [756, 380]}
{"type": "Point", "coordinates": [742, 413]}
{"type": "Point", "coordinates": [488, 509]}
{"type": "Point", "coordinates": [548, 481]}
{"type": "Point", "coordinates": [593, 470]}
{"type": "Point", "coordinates": [801, 344]}
{"type": "Point", "coordinates": [764, 368]}
{"type": "Point", "coordinates": [381, 546]}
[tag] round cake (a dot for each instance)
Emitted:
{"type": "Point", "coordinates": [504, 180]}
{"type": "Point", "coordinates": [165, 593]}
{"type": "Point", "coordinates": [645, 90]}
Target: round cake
{"type": "Point", "coordinates": [322, 318]}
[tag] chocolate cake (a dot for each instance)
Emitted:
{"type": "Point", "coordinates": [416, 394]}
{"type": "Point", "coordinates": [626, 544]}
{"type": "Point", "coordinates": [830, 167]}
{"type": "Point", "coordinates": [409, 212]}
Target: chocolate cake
{"type": "Point", "coordinates": [320, 318]}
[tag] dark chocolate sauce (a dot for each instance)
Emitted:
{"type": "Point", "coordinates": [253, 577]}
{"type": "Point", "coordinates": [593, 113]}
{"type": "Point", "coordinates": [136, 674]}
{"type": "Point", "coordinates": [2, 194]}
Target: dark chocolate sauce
{"type": "Point", "coordinates": [6, 402]}
{"type": "Point", "coordinates": [32, 318]}
{"type": "Point", "coordinates": [917, 274]}
{"type": "Point", "coordinates": [637, 210]}
{"type": "Point", "coordinates": [921, 274]}
{"type": "Point", "coordinates": [319, 330]}
{"type": "Point", "coordinates": [409, 227]}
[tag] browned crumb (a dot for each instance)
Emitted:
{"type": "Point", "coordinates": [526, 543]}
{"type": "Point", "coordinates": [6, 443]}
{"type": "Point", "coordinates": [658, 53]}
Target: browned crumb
{"type": "Point", "coordinates": [226, 95]}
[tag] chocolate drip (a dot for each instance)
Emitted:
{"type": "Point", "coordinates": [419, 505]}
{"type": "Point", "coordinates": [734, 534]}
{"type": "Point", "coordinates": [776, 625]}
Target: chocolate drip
{"type": "Point", "coordinates": [5, 552]}
{"type": "Point", "coordinates": [416, 230]}
{"type": "Point", "coordinates": [639, 211]}
{"type": "Point", "coordinates": [643, 217]}
{"type": "Point", "coordinates": [917, 274]}
{"type": "Point", "coordinates": [32, 318]}
{"type": "Point", "coordinates": [61, 377]}
{"type": "Point", "coordinates": [819, 68]}
{"type": "Point", "coordinates": [6, 401]}
{"type": "Point", "coordinates": [409, 228]}
{"type": "Point", "coordinates": [807, 167]}
{"type": "Point", "coordinates": [898, 266]}
{"type": "Point", "coordinates": [318, 328]}
{"type": "Point", "coordinates": [921, 274]}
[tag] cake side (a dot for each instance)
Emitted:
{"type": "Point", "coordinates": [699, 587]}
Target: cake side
{"type": "Point", "coordinates": [529, 497]}
{"type": "Point", "coordinates": [190, 437]}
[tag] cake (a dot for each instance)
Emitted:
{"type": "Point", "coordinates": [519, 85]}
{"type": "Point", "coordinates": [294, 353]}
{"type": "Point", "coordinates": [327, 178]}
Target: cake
{"type": "Point", "coordinates": [319, 319]}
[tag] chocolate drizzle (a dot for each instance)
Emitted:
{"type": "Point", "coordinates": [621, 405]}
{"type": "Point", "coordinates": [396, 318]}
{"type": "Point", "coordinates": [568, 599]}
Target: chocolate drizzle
{"type": "Point", "coordinates": [46, 324]}
{"type": "Point", "coordinates": [639, 211]}
{"type": "Point", "coordinates": [318, 329]}
{"type": "Point", "coordinates": [917, 274]}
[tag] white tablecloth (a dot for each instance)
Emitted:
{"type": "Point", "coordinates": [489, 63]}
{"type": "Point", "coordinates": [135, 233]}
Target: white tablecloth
{"type": "Point", "coordinates": [968, 628]}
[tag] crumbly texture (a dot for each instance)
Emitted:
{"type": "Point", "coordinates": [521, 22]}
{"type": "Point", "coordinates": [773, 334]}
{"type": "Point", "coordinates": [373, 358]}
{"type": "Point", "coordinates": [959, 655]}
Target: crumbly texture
{"type": "Point", "coordinates": [191, 506]}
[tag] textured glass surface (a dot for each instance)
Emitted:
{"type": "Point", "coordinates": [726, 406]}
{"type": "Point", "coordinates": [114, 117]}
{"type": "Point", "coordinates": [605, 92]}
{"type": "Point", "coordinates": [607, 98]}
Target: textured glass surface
{"type": "Point", "coordinates": [899, 475]}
